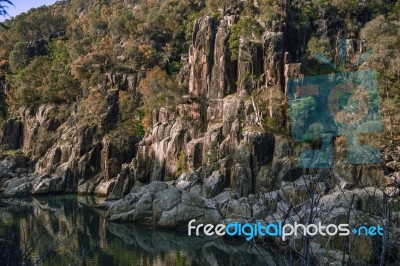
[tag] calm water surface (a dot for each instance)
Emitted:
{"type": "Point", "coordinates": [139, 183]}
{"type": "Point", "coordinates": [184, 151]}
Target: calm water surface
{"type": "Point", "coordinates": [63, 230]}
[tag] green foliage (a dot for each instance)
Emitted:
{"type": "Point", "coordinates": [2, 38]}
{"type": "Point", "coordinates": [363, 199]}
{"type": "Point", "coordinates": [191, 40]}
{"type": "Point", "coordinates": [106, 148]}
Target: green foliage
{"type": "Point", "coordinates": [181, 163]}
{"type": "Point", "coordinates": [220, 6]}
{"type": "Point", "coordinates": [130, 119]}
{"type": "Point", "coordinates": [348, 10]}
{"type": "Point", "coordinates": [314, 131]}
{"type": "Point", "coordinates": [122, 23]}
{"type": "Point", "coordinates": [174, 67]}
{"type": "Point", "coordinates": [271, 123]}
{"type": "Point", "coordinates": [301, 111]}
{"type": "Point", "coordinates": [60, 113]}
{"type": "Point", "coordinates": [269, 9]}
{"type": "Point", "coordinates": [102, 37]}
{"type": "Point", "coordinates": [159, 89]}
{"type": "Point", "coordinates": [18, 57]}
{"type": "Point", "coordinates": [311, 65]}
{"type": "Point", "coordinates": [38, 23]}
{"type": "Point", "coordinates": [246, 28]}
{"type": "Point", "coordinates": [45, 79]}
{"type": "Point", "coordinates": [128, 129]}
{"type": "Point", "coordinates": [319, 46]}
{"type": "Point", "coordinates": [216, 15]}
{"type": "Point", "coordinates": [13, 152]}
{"type": "Point", "coordinates": [168, 178]}
{"type": "Point", "coordinates": [213, 153]}
{"type": "Point", "coordinates": [382, 37]}
{"type": "Point", "coordinates": [189, 23]}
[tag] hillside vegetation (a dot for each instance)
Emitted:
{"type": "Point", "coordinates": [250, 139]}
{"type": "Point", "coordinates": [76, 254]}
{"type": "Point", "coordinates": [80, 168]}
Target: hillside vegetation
{"type": "Point", "coordinates": [54, 55]}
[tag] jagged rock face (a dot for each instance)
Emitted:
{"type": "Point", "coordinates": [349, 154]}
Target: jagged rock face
{"type": "Point", "coordinates": [211, 133]}
{"type": "Point", "coordinates": [250, 65]}
{"type": "Point", "coordinates": [201, 56]}
{"type": "Point", "coordinates": [214, 137]}
{"type": "Point", "coordinates": [226, 165]}
{"type": "Point", "coordinates": [223, 71]}
{"type": "Point", "coordinates": [273, 62]}
{"type": "Point", "coordinates": [78, 152]}
{"type": "Point", "coordinates": [11, 136]}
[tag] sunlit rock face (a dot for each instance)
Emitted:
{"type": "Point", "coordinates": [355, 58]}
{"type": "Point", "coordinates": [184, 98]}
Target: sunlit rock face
{"type": "Point", "coordinates": [222, 153]}
{"type": "Point", "coordinates": [222, 124]}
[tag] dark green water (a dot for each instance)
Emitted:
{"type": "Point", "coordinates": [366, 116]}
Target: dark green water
{"type": "Point", "coordinates": [63, 230]}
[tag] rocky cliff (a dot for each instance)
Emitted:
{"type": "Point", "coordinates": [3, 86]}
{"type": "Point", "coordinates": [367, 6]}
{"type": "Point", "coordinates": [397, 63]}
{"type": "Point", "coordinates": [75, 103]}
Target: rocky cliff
{"type": "Point", "coordinates": [211, 157]}
{"type": "Point", "coordinates": [218, 129]}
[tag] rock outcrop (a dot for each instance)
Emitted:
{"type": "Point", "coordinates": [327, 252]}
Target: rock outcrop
{"type": "Point", "coordinates": [211, 158]}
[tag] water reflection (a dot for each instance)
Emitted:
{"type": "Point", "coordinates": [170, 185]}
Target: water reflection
{"type": "Point", "coordinates": [63, 230]}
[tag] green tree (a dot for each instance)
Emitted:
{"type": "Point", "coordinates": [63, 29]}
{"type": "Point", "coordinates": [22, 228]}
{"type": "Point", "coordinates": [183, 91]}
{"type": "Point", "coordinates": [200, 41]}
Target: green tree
{"type": "Point", "coordinates": [382, 37]}
{"type": "Point", "coordinates": [245, 28]}
{"type": "Point", "coordinates": [318, 46]}
{"type": "Point", "coordinates": [300, 112]}
{"type": "Point", "coordinates": [221, 5]}
{"type": "Point", "coordinates": [158, 89]}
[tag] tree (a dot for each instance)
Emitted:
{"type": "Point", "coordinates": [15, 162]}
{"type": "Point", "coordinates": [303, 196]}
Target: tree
{"type": "Point", "coordinates": [3, 7]}
{"type": "Point", "coordinates": [381, 36]}
{"type": "Point", "coordinates": [221, 5]}
{"type": "Point", "coordinates": [245, 28]}
{"type": "Point", "coordinates": [158, 89]}
{"type": "Point", "coordinates": [300, 113]}
{"type": "Point", "coordinates": [318, 46]}
{"type": "Point", "coordinates": [3, 10]}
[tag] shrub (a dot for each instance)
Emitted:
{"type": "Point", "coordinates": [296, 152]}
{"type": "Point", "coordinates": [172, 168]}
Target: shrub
{"type": "Point", "coordinates": [213, 153]}
{"type": "Point", "coordinates": [181, 163]}
{"type": "Point", "coordinates": [158, 89]}
{"type": "Point", "coordinates": [246, 27]}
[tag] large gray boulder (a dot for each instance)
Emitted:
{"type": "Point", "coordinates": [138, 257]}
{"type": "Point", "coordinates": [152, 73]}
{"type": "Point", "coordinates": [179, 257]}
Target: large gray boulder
{"type": "Point", "coordinates": [165, 200]}
{"type": "Point", "coordinates": [193, 206]}
{"type": "Point", "coordinates": [213, 184]}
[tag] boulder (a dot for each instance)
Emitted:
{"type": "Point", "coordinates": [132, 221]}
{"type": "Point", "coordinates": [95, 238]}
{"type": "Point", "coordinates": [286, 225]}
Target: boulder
{"type": "Point", "coordinates": [265, 180]}
{"type": "Point", "coordinates": [104, 188]}
{"type": "Point", "coordinates": [286, 169]}
{"type": "Point", "coordinates": [213, 184]}
{"type": "Point", "coordinates": [43, 187]}
{"type": "Point", "coordinates": [238, 210]}
{"type": "Point", "coordinates": [193, 206]}
{"type": "Point", "coordinates": [165, 200]}
{"type": "Point", "coordinates": [370, 200]}
{"type": "Point", "coordinates": [123, 183]}
{"type": "Point", "coordinates": [186, 180]}
{"type": "Point", "coordinates": [393, 165]}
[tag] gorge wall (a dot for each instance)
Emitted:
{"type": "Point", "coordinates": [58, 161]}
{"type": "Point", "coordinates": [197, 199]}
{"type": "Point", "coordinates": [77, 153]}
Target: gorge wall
{"type": "Point", "coordinates": [216, 131]}
{"type": "Point", "coordinates": [212, 156]}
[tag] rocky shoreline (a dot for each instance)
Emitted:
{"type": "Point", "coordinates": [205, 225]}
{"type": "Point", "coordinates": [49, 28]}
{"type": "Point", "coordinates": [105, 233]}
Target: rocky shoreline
{"type": "Point", "coordinates": [173, 204]}
{"type": "Point", "coordinates": [219, 153]}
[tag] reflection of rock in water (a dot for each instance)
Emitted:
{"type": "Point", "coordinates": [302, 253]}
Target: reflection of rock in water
{"type": "Point", "coordinates": [202, 249]}
{"type": "Point", "coordinates": [63, 230]}
{"type": "Point", "coordinates": [45, 230]}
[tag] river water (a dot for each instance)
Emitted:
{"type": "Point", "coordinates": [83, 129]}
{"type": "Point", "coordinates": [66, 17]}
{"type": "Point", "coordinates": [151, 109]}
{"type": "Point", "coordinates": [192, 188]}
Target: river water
{"type": "Point", "coordinates": [64, 230]}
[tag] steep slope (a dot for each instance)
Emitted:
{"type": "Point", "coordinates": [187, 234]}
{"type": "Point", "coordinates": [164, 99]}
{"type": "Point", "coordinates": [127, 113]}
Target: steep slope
{"type": "Point", "coordinates": [190, 119]}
